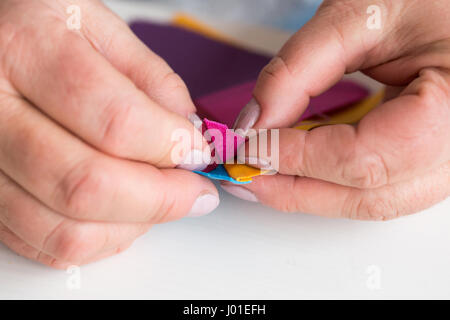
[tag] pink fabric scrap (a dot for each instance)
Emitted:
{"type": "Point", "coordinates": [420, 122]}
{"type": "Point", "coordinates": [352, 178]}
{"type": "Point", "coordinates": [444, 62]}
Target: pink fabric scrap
{"type": "Point", "coordinates": [221, 136]}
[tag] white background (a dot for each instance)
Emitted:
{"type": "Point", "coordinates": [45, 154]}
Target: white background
{"type": "Point", "coordinates": [244, 250]}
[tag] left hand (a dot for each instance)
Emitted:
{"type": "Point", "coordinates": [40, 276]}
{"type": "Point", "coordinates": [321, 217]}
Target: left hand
{"type": "Point", "coordinates": [87, 120]}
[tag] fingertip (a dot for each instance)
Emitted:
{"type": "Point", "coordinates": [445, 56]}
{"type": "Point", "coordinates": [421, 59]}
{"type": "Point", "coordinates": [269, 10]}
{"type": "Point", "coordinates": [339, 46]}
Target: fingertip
{"type": "Point", "coordinates": [205, 197]}
{"type": "Point", "coordinates": [187, 194]}
{"type": "Point", "coordinates": [195, 161]}
{"type": "Point", "coordinates": [189, 148]}
{"type": "Point", "coordinates": [248, 116]}
{"type": "Point", "coordinates": [239, 192]}
{"type": "Point", "coordinates": [204, 205]}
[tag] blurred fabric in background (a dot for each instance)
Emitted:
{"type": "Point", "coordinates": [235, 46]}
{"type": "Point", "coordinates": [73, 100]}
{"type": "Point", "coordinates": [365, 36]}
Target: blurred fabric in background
{"type": "Point", "coordinates": [284, 14]}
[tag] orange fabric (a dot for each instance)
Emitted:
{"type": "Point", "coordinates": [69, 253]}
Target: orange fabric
{"type": "Point", "coordinates": [190, 23]}
{"type": "Point", "coordinates": [242, 172]}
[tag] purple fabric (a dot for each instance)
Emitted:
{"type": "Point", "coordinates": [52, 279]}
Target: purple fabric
{"type": "Point", "coordinates": [209, 67]}
{"type": "Point", "coordinates": [205, 65]}
{"type": "Point", "coordinates": [225, 105]}
{"type": "Point", "coordinates": [343, 94]}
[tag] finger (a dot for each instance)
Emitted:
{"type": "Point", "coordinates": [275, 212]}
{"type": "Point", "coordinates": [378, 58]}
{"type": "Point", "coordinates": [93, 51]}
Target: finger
{"type": "Point", "coordinates": [113, 252]}
{"type": "Point", "coordinates": [22, 248]}
{"type": "Point", "coordinates": [405, 69]}
{"type": "Point", "coordinates": [294, 194]}
{"type": "Point", "coordinates": [400, 139]}
{"type": "Point", "coordinates": [55, 235]}
{"type": "Point", "coordinates": [336, 41]}
{"type": "Point", "coordinates": [110, 35]}
{"type": "Point", "coordinates": [81, 183]}
{"type": "Point", "coordinates": [92, 99]}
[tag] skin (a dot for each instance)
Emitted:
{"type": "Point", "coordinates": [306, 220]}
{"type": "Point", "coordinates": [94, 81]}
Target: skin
{"type": "Point", "coordinates": [85, 166]}
{"type": "Point", "coordinates": [396, 161]}
{"type": "Point", "coordinates": [85, 135]}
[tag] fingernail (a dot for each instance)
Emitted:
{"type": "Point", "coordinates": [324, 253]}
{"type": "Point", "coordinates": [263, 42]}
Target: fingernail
{"type": "Point", "coordinates": [196, 121]}
{"type": "Point", "coordinates": [248, 116]}
{"type": "Point", "coordinates": [195, 160]}
{"type": "Point", "coordinates": [240, 192]}
{"type": "Point", "coordinates": [204, 205]}
{"type": "Point", "coordinates": [259, 163]}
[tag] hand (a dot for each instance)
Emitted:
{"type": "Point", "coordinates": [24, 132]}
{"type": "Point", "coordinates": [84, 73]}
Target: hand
{"type": "Point", "coordinates": [396, 161]}
{"type": "Point", "coordinates": [86, 122]}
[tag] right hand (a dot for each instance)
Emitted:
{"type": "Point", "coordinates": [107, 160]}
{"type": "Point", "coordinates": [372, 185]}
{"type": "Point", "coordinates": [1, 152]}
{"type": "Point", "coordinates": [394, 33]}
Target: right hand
{"type": "Point", "coordinates": [86, 119]}
{"type": "Point", "coordinates": [396, 160]}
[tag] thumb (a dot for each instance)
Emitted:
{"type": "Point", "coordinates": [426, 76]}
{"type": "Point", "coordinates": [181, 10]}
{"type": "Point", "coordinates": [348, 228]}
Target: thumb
{"type": "Point", "coordinates": [337, 40]}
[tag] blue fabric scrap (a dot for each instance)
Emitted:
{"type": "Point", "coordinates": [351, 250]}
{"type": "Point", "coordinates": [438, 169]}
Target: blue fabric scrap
{"type": "Point", "coordinates": [220, 174]}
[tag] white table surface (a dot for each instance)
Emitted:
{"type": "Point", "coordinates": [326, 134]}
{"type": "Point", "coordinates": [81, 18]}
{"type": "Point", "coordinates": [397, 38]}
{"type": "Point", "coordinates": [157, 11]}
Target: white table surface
{"type": "Point", "coordinates": [246, 251]}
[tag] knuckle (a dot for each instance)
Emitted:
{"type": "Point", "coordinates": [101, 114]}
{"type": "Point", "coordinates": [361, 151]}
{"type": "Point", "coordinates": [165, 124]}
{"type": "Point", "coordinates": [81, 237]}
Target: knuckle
{"type": "Point", "coordinates": [373, 208]}
{"type": "Point", "coordinates": [367, 171]}
{"type": "Point", "coordinates": [172, 81]}
{"type": "Point", "coordinates": [341, 10]}
{"type": "Point", "coordinates": [166, 208]}
{"type": "Point", "coordinates": [290, 202]}
{"type": "Point", "coordinates": [82, 190]}
{"type": "Point", "coordinates": [160, 80]}
{"type": "Point", "coordinates": [72, 244]}
{"type": "Point", "coordinates": [289, 206]}
{"type": "Point", "coordinates": [277, 71]}
{"type": "Point", "coordinates": [432, 88]}
{"type": "Point", "coordinates": [291, 161]}
{"type": "Point", "coordinates": [295, 160]}
{"type": "Point", "coordinates": [347, 19]}
{"type": "Point", "coordinates": [116, 136]}
{"type": "Point", "coordinates": [342, 17]}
